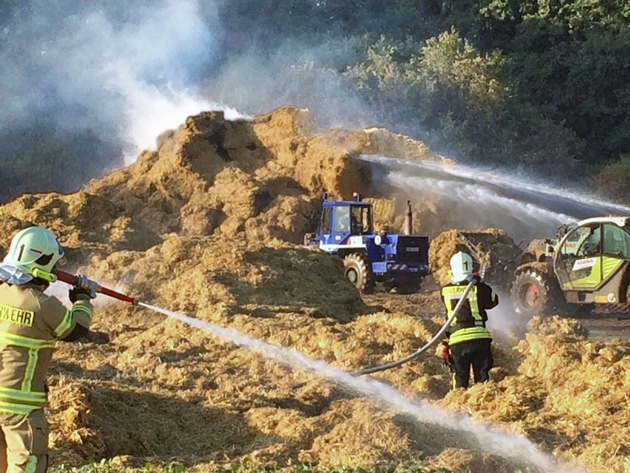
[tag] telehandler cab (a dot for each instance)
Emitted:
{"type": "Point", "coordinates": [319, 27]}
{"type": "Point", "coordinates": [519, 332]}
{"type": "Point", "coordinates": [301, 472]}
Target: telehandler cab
{"type": "Point", "coordinates": [586, 266]}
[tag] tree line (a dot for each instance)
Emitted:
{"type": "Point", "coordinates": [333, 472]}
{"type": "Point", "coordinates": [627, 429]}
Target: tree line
{"type": "Point", "coordinates": [534, 86]}
{"type": "Point", "coordinates": [538, 87]}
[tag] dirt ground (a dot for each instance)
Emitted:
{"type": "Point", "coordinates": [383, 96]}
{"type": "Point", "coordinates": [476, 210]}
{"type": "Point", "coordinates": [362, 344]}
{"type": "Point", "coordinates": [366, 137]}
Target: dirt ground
{"type": "Point", "coordinates": [209, 225]}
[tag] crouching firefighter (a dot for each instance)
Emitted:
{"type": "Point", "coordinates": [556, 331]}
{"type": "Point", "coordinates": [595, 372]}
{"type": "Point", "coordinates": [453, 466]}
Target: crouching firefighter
{"type": "Point", "coordinates": [469, 340]}
{"type": "Point", "coordinates": [30, 324]}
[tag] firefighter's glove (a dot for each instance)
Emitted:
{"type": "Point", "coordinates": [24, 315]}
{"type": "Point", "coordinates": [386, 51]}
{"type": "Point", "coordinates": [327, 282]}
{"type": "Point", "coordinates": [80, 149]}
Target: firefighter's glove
{"type": "Point", "coordinates": [446, 353]}
{"type": "Point", "coordinates": [77, 292]}
{"type": "Point", "coordinates": [439, 349]}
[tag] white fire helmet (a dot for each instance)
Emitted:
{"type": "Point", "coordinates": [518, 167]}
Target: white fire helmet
{"type": "Point", "coordinates": [34, 251]}
{"type": "Point", "coordinates": [461, 266]}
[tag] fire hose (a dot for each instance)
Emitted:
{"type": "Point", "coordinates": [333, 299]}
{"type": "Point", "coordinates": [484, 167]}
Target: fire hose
{"type": "Point", "coordinates": [484, 259]}
{"type": "Point", "coordinates": [426, 346]}
{"type": "Point", "coordinates": [82, 281]}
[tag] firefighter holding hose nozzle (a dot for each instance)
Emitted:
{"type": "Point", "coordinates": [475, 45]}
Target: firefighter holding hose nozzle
{"type": "Point", "coordinates": [30, 324]}
{"type": "Point", "coordinates": [469, 340]}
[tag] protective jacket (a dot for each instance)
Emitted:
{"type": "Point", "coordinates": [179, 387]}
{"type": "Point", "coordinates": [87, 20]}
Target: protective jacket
{"type": "Point", "coordinates": [470, 322]}
{"type": "Point", "coordinates": [30, 323]}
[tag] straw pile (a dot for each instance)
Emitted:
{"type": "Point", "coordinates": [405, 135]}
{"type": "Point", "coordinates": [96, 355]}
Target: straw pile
{"type": "Point", "coordinates": [206, 226]}
{"type": "Point", "coordinates": [500, 250]}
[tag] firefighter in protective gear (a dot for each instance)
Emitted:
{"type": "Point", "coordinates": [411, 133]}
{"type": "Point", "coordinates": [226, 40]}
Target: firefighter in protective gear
{"type": "Point", "coordinates": [469, 340]}
{"type": "Point", "coordinates": [30, 324]}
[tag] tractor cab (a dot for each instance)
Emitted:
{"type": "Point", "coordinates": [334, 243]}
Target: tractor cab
{"type": "Point", "coordinates": [344, 220]}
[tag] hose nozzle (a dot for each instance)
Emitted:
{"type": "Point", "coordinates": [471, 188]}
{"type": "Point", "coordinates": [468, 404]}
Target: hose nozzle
{"type": "Point", "coordinates": [82, 281]}
{"type": "Point", "coordinates": [85, 283]}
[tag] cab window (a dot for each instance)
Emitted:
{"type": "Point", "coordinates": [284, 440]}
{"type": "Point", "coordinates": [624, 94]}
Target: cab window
{"type": "Point", "coordinates": [325, 222]}
{"type": "Point", "coordinates": [592, 244]}
{"type": "Point", "coordinates": [342, 220]}
{"type": "Point", "coordinates": [616, 241]}
{"type": "Point", "coordinates": [360, 220]}
{"type": "Point", "coordinates": [578, 241]}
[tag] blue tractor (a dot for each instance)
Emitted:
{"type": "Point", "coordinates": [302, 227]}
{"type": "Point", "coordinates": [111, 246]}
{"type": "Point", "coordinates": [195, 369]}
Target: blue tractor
{"type": "Point", "coordinates": [346, 229]}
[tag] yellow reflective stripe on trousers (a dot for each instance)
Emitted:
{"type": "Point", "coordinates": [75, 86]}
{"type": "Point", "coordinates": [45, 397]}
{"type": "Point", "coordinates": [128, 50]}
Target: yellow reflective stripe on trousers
{"type": "Point", "coordinates": [26, 342]}
{"type": "Point", "coordinates": [467, 334]}
{"type": "Point", "coordinates": [20, 409]}
{"type": "Point", "coordinates": [31, 464]}
{"type": "Point", "coordinates": [28, 396]}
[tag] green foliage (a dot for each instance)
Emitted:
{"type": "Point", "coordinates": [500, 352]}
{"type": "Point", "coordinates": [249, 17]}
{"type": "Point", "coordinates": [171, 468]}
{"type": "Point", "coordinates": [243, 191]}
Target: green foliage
{"type": "Point", "coordinates": [541, 85]}
{"type": "Point", "coordinates": [613, 180]}
{"type": "Point", "coordinates": [580, 84]}
{"type": "Point", "coordinates": [548, 95]}
{"type": "Point", "coordinates": [472, 80]}
{"type": "Point", "coordinates": [101, 467]}
{"type": "Point", "coordinates": [446, 71]}
{"type": "Point", "coordinates": [568, 60]}
{"type": "Point", "coordinates": [461, 98]}
{"type": "Point", "coordinates": [104, 466]}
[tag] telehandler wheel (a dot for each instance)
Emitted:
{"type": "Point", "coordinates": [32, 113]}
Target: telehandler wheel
{"type": "Point", "coordinates": [359, 273]}
{"type": "Point", "coordinates": [535, 292]}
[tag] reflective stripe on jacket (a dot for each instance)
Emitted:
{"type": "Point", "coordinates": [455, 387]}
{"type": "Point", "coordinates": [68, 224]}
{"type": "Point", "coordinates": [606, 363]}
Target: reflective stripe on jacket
{"type": "Point", "coordinates": [30, 324]}
{"type": "Point", "coordinates": [470, 322]}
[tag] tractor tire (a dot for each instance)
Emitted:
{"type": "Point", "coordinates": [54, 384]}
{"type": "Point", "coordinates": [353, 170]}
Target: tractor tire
{"type": "Point", "coordinates": [535, 291]}
{"type": "Point", "coordinates": [358, 272]}
{"type": "Point", "coordinates": [409, 284]}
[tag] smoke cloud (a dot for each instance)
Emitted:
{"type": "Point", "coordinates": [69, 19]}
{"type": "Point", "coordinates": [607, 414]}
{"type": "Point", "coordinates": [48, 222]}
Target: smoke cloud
{"type": "Point", "coordinates": [91, 85]}
{"type": "Point", "coordinates": [295, 74]}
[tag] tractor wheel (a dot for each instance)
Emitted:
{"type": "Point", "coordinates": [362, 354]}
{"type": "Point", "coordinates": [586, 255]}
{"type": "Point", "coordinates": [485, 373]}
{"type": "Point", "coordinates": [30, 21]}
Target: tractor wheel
{"type": "Point", "coordinates": [409, 284]}
{"type": "Point", "coordinates": [389, 285]}
{"type": "Point", "coordinates": [536, 292]}
{"type": "Point", "coordinates": [359, 273]}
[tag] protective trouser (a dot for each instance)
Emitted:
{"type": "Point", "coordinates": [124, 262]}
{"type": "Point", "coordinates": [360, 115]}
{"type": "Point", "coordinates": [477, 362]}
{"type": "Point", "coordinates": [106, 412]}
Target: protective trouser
{"type": "Point", "coordinates": [24, 444]}
{"type": "Point", "coordinates": [475, 353]}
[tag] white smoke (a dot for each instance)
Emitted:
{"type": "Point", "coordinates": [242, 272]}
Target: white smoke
{"type": "Point", "coordinates": [97, 82]}
{"type": "Point", "coordinates": [116, 76]}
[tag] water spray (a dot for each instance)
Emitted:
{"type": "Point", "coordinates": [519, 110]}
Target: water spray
{"type": "Point", "coordinates": [511, 445]}
{"type": "Point", "coordinates": [515, 446]}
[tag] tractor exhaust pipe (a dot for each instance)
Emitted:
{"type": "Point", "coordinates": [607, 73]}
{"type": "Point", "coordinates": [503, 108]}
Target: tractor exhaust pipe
{"type": "Point", "coordinates": [82, 281]}
{"type": "Point", "coordinates": [408, 220]}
